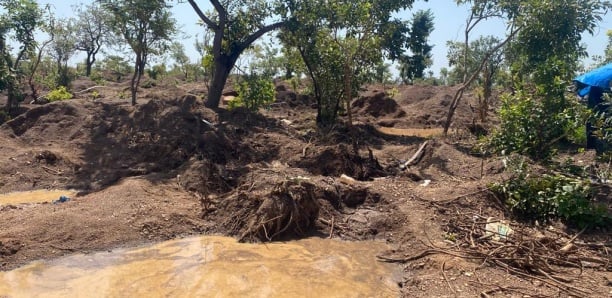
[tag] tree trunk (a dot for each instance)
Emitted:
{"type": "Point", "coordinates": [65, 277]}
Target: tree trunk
{"type": "Point", "coordinates": [486, 94]}
{"type": "Point", "coordinates": [347, 90]}
{"type": "Point", "coordinates": [88, 63]}
{"type": "Point", "coordinates": [10, 100]}
{"type": "Point", "coordinates": [222, 70]}
{"type": "Point", "coordinates": [135, 79]}
{"type": "Point", "coordinates": [133, 87]}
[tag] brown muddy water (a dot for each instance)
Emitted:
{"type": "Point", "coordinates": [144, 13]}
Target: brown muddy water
{"type": "Point", "coordinates": [213, 266]}
{"type": "Point", "coordinates": [35, 196]}
{"type": "Point", "coordinates": [412, 132]}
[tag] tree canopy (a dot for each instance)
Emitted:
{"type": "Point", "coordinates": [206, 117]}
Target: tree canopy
{"type": "Point", "coordinates": [341, 42]}
{"type": "Point", "coordinates": [19, 23]}
{"type": "Point", "coordinates": [236, 25]}
{"type": "Point", "coordinates": [413, 65]}
{"type": "Point", "coordinates": [146, 26]}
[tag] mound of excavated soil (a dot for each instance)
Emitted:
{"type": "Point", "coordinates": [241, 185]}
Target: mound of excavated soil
{"type": "Point", "coordinates": [104, 142]}
{"type": "Point", "coordinates": [378, 104]}
{"type": "Point", "coordinates": [415, 106]}
{"type": "Point", "coordinates": [337, 160]}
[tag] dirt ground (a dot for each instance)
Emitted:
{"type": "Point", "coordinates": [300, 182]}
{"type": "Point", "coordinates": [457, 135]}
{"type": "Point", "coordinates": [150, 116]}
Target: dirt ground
{"type": "Point", "coordinates": [169, 167]}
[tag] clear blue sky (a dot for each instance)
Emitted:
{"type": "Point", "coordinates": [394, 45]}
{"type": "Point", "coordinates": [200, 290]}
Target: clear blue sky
{"type": "Point", "coordinates": [449, 25]}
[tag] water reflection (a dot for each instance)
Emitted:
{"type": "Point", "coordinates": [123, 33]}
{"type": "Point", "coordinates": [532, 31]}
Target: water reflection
{"type": "Point", "coordinates": [212, 267]}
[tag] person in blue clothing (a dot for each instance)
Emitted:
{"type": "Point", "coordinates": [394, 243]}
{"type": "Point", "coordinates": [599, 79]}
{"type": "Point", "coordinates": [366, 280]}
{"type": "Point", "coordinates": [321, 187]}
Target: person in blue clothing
{"type": "Point", "coordinates": [594, 103]}
{"type": "Point", "coordinates": [592, 86]}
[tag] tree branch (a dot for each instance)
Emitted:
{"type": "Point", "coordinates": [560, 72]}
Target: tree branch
{"type": "Point", "coordinates": [251, 38]}
{"type": "Point", "coordinates": [218, 7]}
{"type": "Point", "coordinates": [487, 56]}
{"type": "Point", "coordinates": [203, 17]}
{"type": "Point", "coordinates": [461, 90]}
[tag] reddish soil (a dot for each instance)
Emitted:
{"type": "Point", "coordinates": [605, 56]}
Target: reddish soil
{"type": "Point", "coordinates": [158, 171]}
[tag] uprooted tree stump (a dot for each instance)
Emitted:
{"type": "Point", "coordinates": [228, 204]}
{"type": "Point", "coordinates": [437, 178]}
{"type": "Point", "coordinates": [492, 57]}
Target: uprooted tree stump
{"type": "Point", "coordinates": [290, 209]}
{"type": "Point", "coordinates": [275, 203]}
{"type": "Point", "coordinates": [276, 207]}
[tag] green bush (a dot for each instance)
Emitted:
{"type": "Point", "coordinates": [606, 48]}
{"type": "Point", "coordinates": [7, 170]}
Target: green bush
{"type": "Point", "coordinates": [254, 91]}
{"type": "Point", "coordinates": [97, 77]}
{"type": "Point", "coordinates": [532, 124]}
{"type": "Point", "coordinates": [157, 71]}
{"type": "Point", "coordinates": [546, 196]}
{"type": "Point", "coordinates": [59, 94]}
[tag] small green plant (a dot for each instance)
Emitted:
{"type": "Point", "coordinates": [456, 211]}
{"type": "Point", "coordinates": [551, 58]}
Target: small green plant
{"type": "Point", "coordinates": [95, 94]}
{"type": "Point", "coordinates": [254, 91]}
{"type": "Point", "coordinates": [450, 237]}
{"type": "Point", "coordinates": [295, 84]}
{"type": "Point", "coordinates": [547, 196]}
{"type": "Point", "coordinates": [59, 94]}
{"type": "Point", "coordinates": [393, 92]}
{"type": "Point", "coordinates": [122, 95]}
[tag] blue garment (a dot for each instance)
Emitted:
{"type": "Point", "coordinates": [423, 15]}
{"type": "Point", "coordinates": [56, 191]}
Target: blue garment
{"type": "Point", "coordinates": [600, 77]}
{"type": "Point", "coordinates": [62, 199]}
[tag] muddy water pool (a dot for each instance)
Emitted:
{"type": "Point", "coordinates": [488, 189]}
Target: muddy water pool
{"type": "Point", "coordinates": [212, 267]}
{"type": "Point", "coordinates": [35, 196]}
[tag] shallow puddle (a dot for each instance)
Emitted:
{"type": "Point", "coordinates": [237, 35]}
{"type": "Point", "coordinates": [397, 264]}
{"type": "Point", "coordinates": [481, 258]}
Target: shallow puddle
{"type": "Point", "coordinates": [212, 267]}
{"type": "Point", "coordinates": [35, 196]}
{"type": "Point", "coordinates": [412, 132]}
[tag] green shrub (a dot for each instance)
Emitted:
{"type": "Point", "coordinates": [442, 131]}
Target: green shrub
{"type": "Point", "coordinates": [295, 84]}
{"type": "Point", "coordinates": [97, 77]}
{"type": "Point", "coordinates": [59, 94]}
{"type": "Point", "coordinates": [157, 71]}
{"type": "Point", "coordinates": [546, 196]}
{"type": "Point", "coordinates": [532, 124]}
{"type": "Point", "coordinates": [393, 92]}
{"type": "Point", "coordinates": [254, 91]}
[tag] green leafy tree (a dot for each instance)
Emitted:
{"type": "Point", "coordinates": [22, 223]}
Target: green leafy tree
{"type": "Point", "coordinates": [34, 79]}
{"type": "Point", "coordinates": [470, 62]}
{"type": "Point", "coordinates": [413, 66]}
{"type": "Point", "coordinates": [235, 24]}
{"type": "Point", "coordinates": [181, 60]}
{"type": "Point", "coordinates": [92, 31]}
{"type": "Point", "coordinates": [341, 43]}
{"type": "Point", "coordinates": [146, 26]}
{"type": "Point", "coordinates": [62, 49]}
{"type": "Point", "coordinates": [444, 74]}
{"type": "Point", "coordinates": [546, 56]}
{"type": "Point", "coordinates": [480, 11]}
{"type": "Point", "coordinates": [204, 47]}
{"type": "Point", "coordinates": [382, 74]}
{"type": "Point", "coordinates": [18, 23]}
{"type": "Point", "coordinates": [608, 51]}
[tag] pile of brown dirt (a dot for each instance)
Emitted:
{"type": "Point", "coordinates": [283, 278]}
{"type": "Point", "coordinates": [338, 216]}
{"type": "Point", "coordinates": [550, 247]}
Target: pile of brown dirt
{"type": "Point", "coordinates": [284, 95]}
{"type": "Point", "coordinates": [337, 160]}
{"type": "Point", "coordinates": [378, 104]}
{"type": "Point", "coordinates": [415, 106]}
